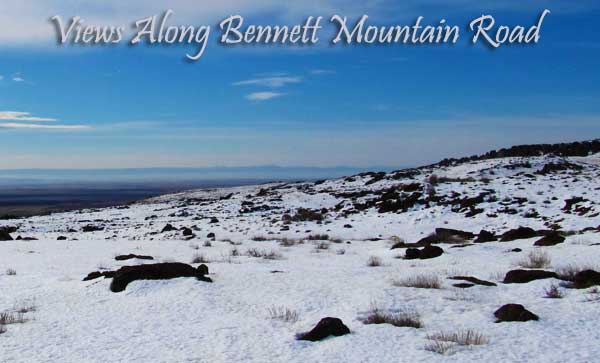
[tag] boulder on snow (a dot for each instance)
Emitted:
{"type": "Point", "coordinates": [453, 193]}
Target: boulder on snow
{"type": "Point", "coordinates": [550, 239]}
{"type": "Point", "coordinates": [168, 228]}
{"type": "Point", "coordinates": [423, 254]}
{"type": "Point", "coordinates": [132, 256]}
{"type": "Point", "coordinates": [325, 328]}
{"type": "Point", "coordinates": [518, 233]}
{"type": "Point", "coordinates": [524, 276]}
{"type": "Point", "coordinates": [473, 280]}
{"type": "Point", "coordinates": [97, 274]}
{"type": "Point", "coordinates": [5, 236]}
{"type": "Point", "coordinates": [514, 312]}
{"type": "Point", "coordinates": [187, 231]}
{"type": "Point", "coordinates": [447, 235]}
{"type": "Point", "coordinates": [158, 271]}
{"type": "Point", "coordinates": [92, 228]}
{"type": "Point", "coordinates": [586, 278]}
{"type": "Point", "coordinates": [485, 236]}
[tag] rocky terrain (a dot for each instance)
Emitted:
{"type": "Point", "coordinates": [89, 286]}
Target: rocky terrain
{"type": "Point", "coordinates": [487, 257]}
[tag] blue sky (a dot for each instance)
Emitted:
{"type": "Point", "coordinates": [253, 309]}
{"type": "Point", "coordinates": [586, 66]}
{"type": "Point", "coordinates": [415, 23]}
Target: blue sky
{"type": "Point", "coordinates": [394, 105]}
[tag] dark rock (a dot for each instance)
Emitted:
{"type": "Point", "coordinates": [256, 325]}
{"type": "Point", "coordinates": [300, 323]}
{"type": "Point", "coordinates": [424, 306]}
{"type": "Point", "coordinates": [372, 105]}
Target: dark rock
{"type": "Point", "coordinates": [97, 274]}
{"type": "Point", "coordinates": [347, 226]}
{"type": "Point", "coordinates": [514, 312]}
{"type": "Point", "coordinates": [516, 250]}
{"type": "Point", "coordinates": [524, 276]}
{"type": "Point", "coordinates": [187, 231]}
{"type": "Point", "coordinates": [550, 239]}
{"type": "Point", "coordinates": [168, 228]}
{"type": "Point", "coordinates": [214, 220]}
{"type": "Point", "coordinates": [203, 269]}
{"type": "Point", "coordinates": [426, 253]}
{"type": "Point", "coordinates": [430, 252]}
{"type": "Point", "coordinates": [473, 280]}
{"type": "Point", "coordinates": [92, 228]}
{"type": "Point", "coordinates": [518, 233]}
{"type": "Point", "coordinates": [325, 328]}
{"type": "Point", "coordinates": [132, 256]}
{"type": "Point", "coordinates": [412, 254]}
{"type": "Point", "coordinates": [485, 236]}
{"type": "Point", "coordinates": [463, 285]}
{"type": "Point", "coordinates": [211, 235]}
{"type": "Point", "coordinates": [5, 236]}
{"type": "Point", "coordinates": [61, 238]}
{"type": "Point", "coordinates": [158, 271]}
{"type": "Point", "coordinates": [585, 279]}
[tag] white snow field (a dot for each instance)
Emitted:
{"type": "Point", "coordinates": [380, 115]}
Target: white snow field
{"type": "Point", "coordinates": [187, 320]}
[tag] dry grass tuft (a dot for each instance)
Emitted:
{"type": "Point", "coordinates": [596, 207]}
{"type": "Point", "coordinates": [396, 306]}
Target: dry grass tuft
{"type": "Point", "coordinates": [536, 259]}
{"type": "Point", "coordinates": [267, 255]}
{"type": "Point", "coordinates": [463, 337]}
{"type": "Point", "coordinates": [11, 272]}
{"type": "Point", "coordinates": [283, 313]}
{"type": "Point", "coordinates": [200, 258]}
{"type": "Point", "coordinates": [410, 319]}
{"type": "Point", "coordinates": [553, 292]}
{"type": "Point", "coordinates": [419, 281]}
{"type": "Point", "coordinates": [440, 347]}
{"type": "Point", "coordinates": [374, 261]}
{"type": "Point", "coordinates": [12, 318]}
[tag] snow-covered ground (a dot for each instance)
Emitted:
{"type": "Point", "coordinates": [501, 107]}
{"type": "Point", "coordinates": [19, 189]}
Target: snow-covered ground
{"type": "Point", "coordinates": [186, 320]}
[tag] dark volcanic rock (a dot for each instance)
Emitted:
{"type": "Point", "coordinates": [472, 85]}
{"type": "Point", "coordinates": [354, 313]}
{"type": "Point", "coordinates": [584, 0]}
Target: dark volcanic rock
{"type": "Point", "coordinates": [132, 256]}
{"type": "Point", "coordinates": [97, 274]}
{"type": "Point", "coordinates": [158, 271]}
{"type": "Point", "coordinates": [524, 276]}
{"type": "Point", "coordinates": [463, 285]}
{"type": "Point", "coordinates": [426, 253]}
{"type": "Point", "coordinates": [92, 228]}
{"type": "Point", "coordinates": [325, 328]}
{"type": "Point", "coordinates": [214, 220]}
{"type": "Point", "coordinates": [550, 239]}
{"type": "Point", "coordinates": [585, 279]}
{"type": "Point", "coordinates": [168, 228]}
{"type": "Point", "coordinates": [203, 269]}
{"type": "Point", "coordinates": [473, 280]}
{"type": "Point", "coordinates": [485, 236]}
{"type": "Point", "coordinates": [5, 236]}
{"type": "Point", "coordinates": [514, 312]}
{"type": "Point", "coordinates": [187, 231]}
{"type": "Point", "coordinates": [518, 233]}
{"type": "Point", "coordinates": [446, 235]}
{"type": "Point", "coordinates": [412, 254]}
{"type": "Point", "coordinates": [61, 238]}
{"type": "Point", "coordinates": [211, 235]}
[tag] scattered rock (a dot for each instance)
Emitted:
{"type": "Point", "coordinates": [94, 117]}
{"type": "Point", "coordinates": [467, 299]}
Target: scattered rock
{"type": "Point", "coordinates": [168, 228]}
{"type": "Point", "coordinates": [203, 269]}
{"type": "Point", "coordinates": [61, 238]}
{"type": "Point", "coordinates": [473, 280]}
{"type": "Point", "coordinates": [426, 253]}
{"type": "Point", "coordinates": [550, 239]}
{"type": "Point", "coordinates": [485, 236]}
{"type": "Point", "coordinates": [92, 228]}
{"type": "Point", "coordinates": [585, 279]}
{"type": "Point", "coordinates": [214, 220]}
{"type": "Point", "coordinates": [211, 235]}
{"type": "Point", "coordinates": [514, 312]}
{"type": "Point", "coordinates": [158, 271]}
{"type": "Point", "coordinates": [97, 274]}
{"type": "Point", "coordinates": [518, 233]}
{"type": "Point", "coordinates": [187, 231]}
{"type": "Point", "coordinates": [132, 256]}
{"type": "Point", "coordinates": [5, 236]}
{"type": "Point", "coordinates": [463, 285]}
{"type": "Point", "coordinates": [325, 328]}
{"type": "Point", "coordinates": [525, 276]}
{"type": "Point", "coordinates": [516, 250]}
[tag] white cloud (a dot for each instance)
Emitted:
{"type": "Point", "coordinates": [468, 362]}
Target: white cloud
{"type": "Point", "coordinates": [23, 116]}
{"type": "Point", "coordinates": [318, 72]}
{"type": "Point", "coordinates": [1, 77]}
{"type": "Point", "coordinates": [263, 96]}
{"type": "Point", "coordinates": [12, 125]}
{"type": "Point", "coordinates": [18, 79]}
{"type": "Point", "coordinates": [273, 82]}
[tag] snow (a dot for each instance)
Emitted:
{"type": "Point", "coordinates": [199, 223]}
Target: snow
{"type": "Point", "coordinates": [185, 320]}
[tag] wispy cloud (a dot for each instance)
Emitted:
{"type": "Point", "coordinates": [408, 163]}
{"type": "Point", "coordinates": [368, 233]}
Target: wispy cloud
{"type": "Point", "coordinates": [18, 79]}
{"type": "Point", "coordinates": [23, 116]}
{"type": "Point", "coordinates": [14, 125]}
{"type": "Point", "coordinates": [318, 72]}
{"type": "Point", "coordinates": [263, 96]}
{"type": "Point", "coordinates": [273, 82]}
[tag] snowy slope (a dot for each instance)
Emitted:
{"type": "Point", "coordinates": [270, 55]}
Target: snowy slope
{"type": "Point", "coordinates": [185, 320]}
